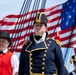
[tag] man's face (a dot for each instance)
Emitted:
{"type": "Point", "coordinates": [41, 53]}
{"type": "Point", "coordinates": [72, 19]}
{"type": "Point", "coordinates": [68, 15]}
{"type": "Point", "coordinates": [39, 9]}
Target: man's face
{"type": "Point", "coordinates": [3, 44]}
{"type": "Point", "coordinates": [39, 29]}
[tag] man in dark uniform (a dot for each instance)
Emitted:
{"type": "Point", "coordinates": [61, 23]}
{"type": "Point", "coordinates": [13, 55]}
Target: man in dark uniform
{"type": "Point", "coordinates": [74, 62]}
{"type": "Point", "coordinates": [41, 55]}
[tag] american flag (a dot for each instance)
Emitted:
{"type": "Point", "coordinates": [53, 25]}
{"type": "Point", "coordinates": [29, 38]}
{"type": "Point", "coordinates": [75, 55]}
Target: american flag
{"type": "Point", "coordinates": [61, 21]}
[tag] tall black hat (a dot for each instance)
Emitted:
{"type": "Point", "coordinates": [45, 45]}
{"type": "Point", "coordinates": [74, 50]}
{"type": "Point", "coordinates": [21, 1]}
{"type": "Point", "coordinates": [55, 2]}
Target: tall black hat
{"type": "Point", "coordinates": [41, 18]}
{"type": "Point", "coordinates": [6, 35]}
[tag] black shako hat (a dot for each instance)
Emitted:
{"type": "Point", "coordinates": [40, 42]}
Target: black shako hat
{"type": "Point", "coordinates": [6, 35]}
{"type": "Point", "coordinates": [41, 18]}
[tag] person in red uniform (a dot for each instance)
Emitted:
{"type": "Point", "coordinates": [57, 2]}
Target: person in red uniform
{"type": "Point", "coordinates": [8, 61]}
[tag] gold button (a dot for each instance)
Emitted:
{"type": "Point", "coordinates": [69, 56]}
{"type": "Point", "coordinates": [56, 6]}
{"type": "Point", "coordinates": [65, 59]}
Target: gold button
{"type": "Point", "coordinates": [43, 59]}
{"type": "Point", "coordinates": [43, 63]}
{"type": "Point", "coordinates": [42, 72]}
{"type": "Point", "coordinates": [48, 44]}
{"type": "Point", "coordinates": [45, 50]}
{"type": "Point", "coordinates": [49, 41]}
{"type": "Point", "coordinates": [44, 54]}
{"type": "Point", "coordinates": [43, 68]}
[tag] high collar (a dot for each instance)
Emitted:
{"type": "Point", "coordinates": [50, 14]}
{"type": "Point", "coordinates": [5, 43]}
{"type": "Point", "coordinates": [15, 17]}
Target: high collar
{"type": "Point", "coordinates": [41, 39]}
{"type": "Point", "coordinates": [32, 38]}
{"type": "Point", "coordinates": [37, 37]}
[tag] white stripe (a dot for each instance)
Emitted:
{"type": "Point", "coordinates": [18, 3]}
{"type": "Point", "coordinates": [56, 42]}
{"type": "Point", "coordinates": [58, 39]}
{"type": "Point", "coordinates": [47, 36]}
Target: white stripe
{"type": "Point", "coordinates": [22, 33]}
{"type": "Point", "coordinates": [67, 33]}
{"type": "Point", "coordinates": [52, 23]}
{"type": "Point", "coordinates": [67, 41]}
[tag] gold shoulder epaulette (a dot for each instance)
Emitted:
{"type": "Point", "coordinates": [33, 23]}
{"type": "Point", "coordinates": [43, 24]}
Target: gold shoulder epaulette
{"type": "Point", "coordinates": [58, 42]}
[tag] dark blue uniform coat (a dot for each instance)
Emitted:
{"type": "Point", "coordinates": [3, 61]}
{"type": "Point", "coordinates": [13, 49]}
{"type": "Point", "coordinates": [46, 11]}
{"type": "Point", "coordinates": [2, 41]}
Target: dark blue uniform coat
{"type": "Point", "coordinates": [42, 58]}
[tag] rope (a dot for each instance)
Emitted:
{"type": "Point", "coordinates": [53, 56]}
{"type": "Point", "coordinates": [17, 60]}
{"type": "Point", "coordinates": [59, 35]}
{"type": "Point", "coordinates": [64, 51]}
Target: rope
{"type": "Point", "coordinates": [35, 7]}
{"type": "Point", "coordinates": [24, 9]}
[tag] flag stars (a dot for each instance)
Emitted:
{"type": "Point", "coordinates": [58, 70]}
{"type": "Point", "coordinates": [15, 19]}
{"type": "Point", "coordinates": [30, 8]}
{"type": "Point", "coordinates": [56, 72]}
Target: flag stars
{"type": "Point", "coordinates": [63, 19]}
{"type": "Point", "coordinates": [74, 1]}
{"type": "Point", "coordinates": [70, 7]}
{"type": "Point", "coordinates": [73, 10]}
{"type": "Point", "coordinates": [66, 13]}
{"type": "Point", "coordinates": [70, 16]}
{"type": "Point", "coordinates": [66, 23]}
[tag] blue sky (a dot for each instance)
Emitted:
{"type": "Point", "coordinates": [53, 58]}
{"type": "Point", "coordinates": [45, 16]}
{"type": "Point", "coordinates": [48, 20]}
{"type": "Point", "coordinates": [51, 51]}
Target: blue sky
{"type": "Point", "coordinates": [14, 6]}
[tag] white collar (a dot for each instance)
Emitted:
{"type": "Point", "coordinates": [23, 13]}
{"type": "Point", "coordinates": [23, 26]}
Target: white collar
{"type": "Point", "coordinates": [5, 51]}
{"type": "Point", "coordinates": [41, 39]}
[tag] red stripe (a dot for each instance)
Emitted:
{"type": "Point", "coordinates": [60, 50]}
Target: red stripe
{"type": "Point", "coordinates": [20, 22]}
{"type": "Point", "coordinates": [66, 30]}
{"type": "Point", "coordinates": [53, 27]}
{"type": "Point", "coordinates": [68, 37]}
{"type": "Point", "coordinates": [19, 30]}
{"type": "Point", "coordinates": [54, 19]}
{"type": "Point", "coordinates": [69, 44]}
{"type": "Point", "coordinates": [54, 12]}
